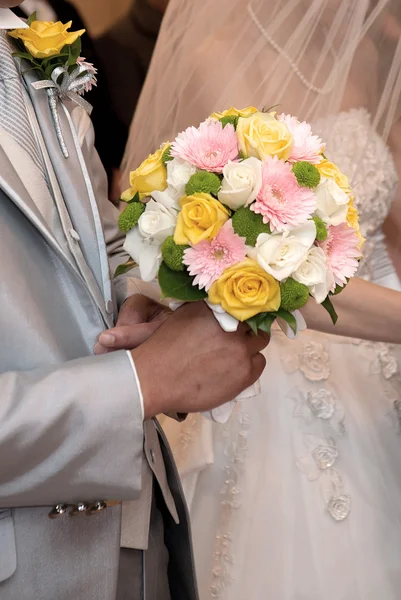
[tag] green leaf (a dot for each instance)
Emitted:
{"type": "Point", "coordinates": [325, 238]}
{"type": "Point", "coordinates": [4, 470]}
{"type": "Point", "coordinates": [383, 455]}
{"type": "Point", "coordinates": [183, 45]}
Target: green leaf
{"type": "Point", "coordinates": [74, 50]}
{"type": "Point", "coordinates": [124, 268]}
{"type": "Point", "coordinates": [24, 55]}
{"type": "Point", "coordinates": [267, 322]}
{"type": "Point", "coordinates": [287, 317]}
{"type": "Point", "coordinates": [134, 199]}
{"type": "Point", "coordinates": [327, 304]}
{"type": "Point", "coordinates": [230, 120]}
{"type": "Point", "coordinates": [262, 321]}
{"type": "Point", "coordinates": [339, 288]}
{"type": "Point", "coordinates": [166, 156]}
{"type": "Point", "coordinates": [31, 18]}
{"type": "Point", "coordinates": [253, 323]}
{"type": "Point", "coordinates": [179, 285]}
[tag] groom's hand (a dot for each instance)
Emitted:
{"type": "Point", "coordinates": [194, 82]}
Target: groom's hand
{"type": "Point", "coordinates": [138, 319]}
{"type": "Point", "coordinates": [190, 364]}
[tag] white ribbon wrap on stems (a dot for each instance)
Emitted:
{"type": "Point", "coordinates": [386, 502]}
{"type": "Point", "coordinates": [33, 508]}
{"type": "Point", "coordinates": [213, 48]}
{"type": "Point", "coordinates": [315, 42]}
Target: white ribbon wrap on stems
{"type": "Point", "coordinates": [221, 414]}
{"type": "Point", "coordinates": [70, 86]}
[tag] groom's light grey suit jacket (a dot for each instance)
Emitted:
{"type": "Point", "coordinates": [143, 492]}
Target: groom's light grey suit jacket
{"type": "Point", "coordinates": [70, 423]}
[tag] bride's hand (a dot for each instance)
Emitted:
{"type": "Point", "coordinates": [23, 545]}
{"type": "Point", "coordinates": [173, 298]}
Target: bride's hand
{"type": "Point", "coordinates": [138, 319]}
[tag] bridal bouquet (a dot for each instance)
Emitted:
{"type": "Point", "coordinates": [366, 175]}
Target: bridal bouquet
{"type": "Point", "coordinates": [246, 212]}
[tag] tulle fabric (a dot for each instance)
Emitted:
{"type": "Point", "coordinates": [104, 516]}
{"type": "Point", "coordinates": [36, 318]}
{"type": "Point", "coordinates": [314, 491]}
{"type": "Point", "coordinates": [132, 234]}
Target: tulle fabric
{"type": "Point", "coordinates": [261, 527]}
{"type": "Point", "coordinates": [299, 54]}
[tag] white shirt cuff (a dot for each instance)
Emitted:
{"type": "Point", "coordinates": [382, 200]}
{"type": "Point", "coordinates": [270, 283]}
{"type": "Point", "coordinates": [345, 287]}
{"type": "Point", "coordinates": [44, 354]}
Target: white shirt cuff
{"type": "Point", "coordinates": [138, 384]}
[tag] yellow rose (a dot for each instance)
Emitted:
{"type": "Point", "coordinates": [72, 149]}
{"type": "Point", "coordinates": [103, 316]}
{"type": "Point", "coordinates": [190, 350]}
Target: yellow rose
{"type": "Point", "coordinates": [329, 169]}
{"type": "Point", "coordinates": [353, 221]}
{"type": "Point", "coordinates": [201, 218]}
{"type": "Point", "coordinates": [245, 290]}
{"type": "Point", "coordinates": [149, 177]}
{"type": "Point", "coordinates": [261, 135]}
{"type": "Point", "coordinates": [234, 112]}
{"type": "Point", "coordinates": [45, 38]}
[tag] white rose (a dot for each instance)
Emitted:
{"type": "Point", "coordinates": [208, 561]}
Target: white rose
{"type": "Point", "coordinates": [178, 174]}
{"type": "Point", "coordinates": [167, 199]}
{"type": "Point", "coordinates": [280, 254]}
{"type": "Point", "coordinates": [314, 274]}
{"type": "Point", "coordinates": [241, 184]}
{"type": "Point", "coordinates": [143, 243]}
{"type": "Point", "coordinates": [332, 202]}
{"type": "Point", "coordinates": [157, 222]}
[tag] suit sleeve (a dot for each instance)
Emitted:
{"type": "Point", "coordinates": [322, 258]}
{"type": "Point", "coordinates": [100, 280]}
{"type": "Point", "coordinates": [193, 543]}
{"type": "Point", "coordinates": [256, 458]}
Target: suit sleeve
{"type": "Point", "coordinates": [70, 433]}
{"type": "Point", "coordinates": [73, 432]}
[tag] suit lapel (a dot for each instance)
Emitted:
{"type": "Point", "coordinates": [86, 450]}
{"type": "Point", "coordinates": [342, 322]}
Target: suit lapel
{"type": "Point", "coordinates": [69, 174]}
{"type": "Point", "coordinates": [73, 192]}
{"type": "Point", "coordinates": [13, 160]}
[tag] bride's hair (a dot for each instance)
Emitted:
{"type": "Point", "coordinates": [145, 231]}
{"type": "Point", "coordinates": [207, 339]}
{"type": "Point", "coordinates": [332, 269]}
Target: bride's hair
{"type": "Point", "coordinates": [311, 57]}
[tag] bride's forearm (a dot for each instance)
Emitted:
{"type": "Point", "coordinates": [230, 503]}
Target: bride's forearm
{"type": "Point", "coordinates": [365, 310]}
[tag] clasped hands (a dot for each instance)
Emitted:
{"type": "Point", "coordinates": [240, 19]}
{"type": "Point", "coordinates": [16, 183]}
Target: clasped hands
{"type": "Point", "coordinates": [184, 360]}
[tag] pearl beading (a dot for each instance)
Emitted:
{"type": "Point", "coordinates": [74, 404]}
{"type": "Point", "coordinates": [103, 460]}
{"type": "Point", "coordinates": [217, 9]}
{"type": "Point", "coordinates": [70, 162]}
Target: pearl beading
{"type": "Point", "coordinates": [326, 89]}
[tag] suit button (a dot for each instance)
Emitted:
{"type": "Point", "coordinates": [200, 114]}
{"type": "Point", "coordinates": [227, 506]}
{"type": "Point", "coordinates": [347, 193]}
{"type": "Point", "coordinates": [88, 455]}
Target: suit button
{"type": "Point", "coordinates": [109, 307]}
{"type": "Point", "coordinates": [58, 510]}
{"type": "Point", "coordinates": [97, 507]}
{"type": "Point", "coordinates": [79, 509]}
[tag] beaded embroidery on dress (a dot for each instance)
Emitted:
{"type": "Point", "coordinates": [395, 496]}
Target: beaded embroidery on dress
{"type": "Point", "coordinates": [316, 479]}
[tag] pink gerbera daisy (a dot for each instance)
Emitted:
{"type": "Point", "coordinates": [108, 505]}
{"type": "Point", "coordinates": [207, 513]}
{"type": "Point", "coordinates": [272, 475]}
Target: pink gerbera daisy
{"type": "Point", "coordinates": [210, 147]}
{"type": "Point", "coordinates": [342, 251]}
{"type": "Point", "coordinates": [306, 146]}
{"type": "Point", "coordinates": [208, 259]}
{"type": "Point", "coordinates": [281, 201]}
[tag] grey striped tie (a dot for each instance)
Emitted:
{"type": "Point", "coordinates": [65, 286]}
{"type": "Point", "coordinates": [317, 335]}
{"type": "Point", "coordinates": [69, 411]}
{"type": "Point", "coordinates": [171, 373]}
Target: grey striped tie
{"type": "Point", "coordinates": [13, 115]}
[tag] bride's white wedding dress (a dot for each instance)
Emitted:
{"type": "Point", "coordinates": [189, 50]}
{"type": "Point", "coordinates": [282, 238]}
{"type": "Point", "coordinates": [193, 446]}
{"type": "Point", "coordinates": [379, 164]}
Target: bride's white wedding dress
{"type": "Point", "coordinates": [298, 496]}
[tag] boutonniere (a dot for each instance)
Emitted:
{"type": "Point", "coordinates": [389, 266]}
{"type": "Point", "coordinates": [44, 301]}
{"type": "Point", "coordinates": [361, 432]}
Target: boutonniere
{"type": "Point", "coordinates": [55, 52]}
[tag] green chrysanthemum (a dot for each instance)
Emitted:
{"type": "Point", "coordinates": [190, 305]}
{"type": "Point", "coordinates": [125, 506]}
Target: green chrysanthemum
{"type": "Point", "coordinates": [130, 216]}
{"type": "Point", "coordinates": [173, 254]}
{"type": "Point", "coordinates": [166, 156]}
{"type": "Point", "coordinates": [294, 295]}
{"type": "Point", "coordinates": [202, 181]}
{"type": "Point", "coordinates": [321, 229]}
{"type": "Point", "coordinates": [249, 225]}
{"type": "Point", "coordinates": [230, 119]}
{"type": "Point", "coordinates": [307, 174]}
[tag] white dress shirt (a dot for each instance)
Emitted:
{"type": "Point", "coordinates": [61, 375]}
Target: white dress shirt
{"type": "Point", "coordinates": [8, 20]}
{"type": "Point", "coordinates": [44, 11]}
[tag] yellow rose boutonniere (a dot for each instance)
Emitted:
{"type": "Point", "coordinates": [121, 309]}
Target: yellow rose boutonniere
{"type": "Point", "coordinates": [201, 218]}
{"type": "Point", "coordinates": [149, 177]}
{"type": "Point", "coordinates": [261, 135]}
{"type": "Point", "coordinates": [44, 39]}
{"type": "Point", "coordinates": [54, 53]}
{"type": "Point", "coordinates": [245, 290]}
